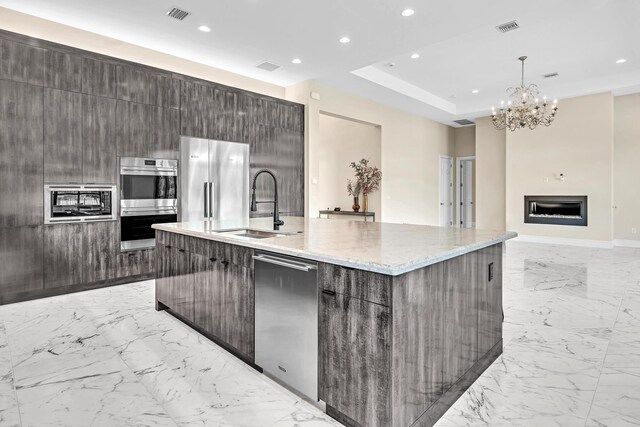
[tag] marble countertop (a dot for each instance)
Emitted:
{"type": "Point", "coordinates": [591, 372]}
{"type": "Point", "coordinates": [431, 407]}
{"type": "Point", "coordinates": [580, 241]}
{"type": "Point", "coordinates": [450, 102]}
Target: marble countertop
{"type": "Point", "coordinates": [380, 247]}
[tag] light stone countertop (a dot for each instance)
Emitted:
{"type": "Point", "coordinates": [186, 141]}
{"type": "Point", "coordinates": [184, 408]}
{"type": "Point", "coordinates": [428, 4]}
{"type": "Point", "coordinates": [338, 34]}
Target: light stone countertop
{"type": "Point", "coordinates": [385, 248]}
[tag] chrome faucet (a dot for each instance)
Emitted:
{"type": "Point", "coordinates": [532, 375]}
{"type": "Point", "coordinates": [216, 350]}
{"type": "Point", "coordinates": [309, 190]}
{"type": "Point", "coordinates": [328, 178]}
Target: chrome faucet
{"type": "Point", "coordinates": [277, 222]}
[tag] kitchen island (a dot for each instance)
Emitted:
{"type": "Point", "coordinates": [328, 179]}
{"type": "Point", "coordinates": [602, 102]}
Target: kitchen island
{"type": "Point", "coordinates": [409, 315]}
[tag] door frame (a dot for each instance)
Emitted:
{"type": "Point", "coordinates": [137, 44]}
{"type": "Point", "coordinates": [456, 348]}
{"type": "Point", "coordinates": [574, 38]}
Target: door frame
{"type": "Point", "coordinates": [440, 194]}
{"type": "Point", "coordinates": [459, 161]}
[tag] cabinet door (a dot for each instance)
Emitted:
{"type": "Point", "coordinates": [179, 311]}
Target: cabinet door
{"type": "Point", "coordinates": [164, 139]}
{"type": "Point", "coordinates": [208, 277]}
{"type": "Point", "coordinates": [164, 91]}
{"type": "Point", "coordinates": [355, 358]}
{"type": "Point", "coordinates": [63, 255]}
{"type": "Point", "coordinates": [460, 317]}
{"type": "Point", "coordinates": [99, 140]}
{"type": "Point", "coordinates": [135, 263]}
{"type": "Point", "coordinates": [21, 63]}
{"type": "Point", "coordinates": [99, 247]}
{"type": "Point", "coordinates": [62, 136]}
{"type": "Point", "coordinates": [196, 110]}
{"type": "Point", "coordinates": [237, 308]}
{"type": "Point", "coordinates": [21, 154]}
{"type": "Point", "coordinates": [132, 84]}
{"type": "Point", "coordinates": [20, 259]}
{"type": "Point", "coordinates": [489, 298]}
{"type": "Point", "coordinates": [165, 266]}
{"type": "Point", "coordinates": [133, 124]}
{"type": "Point", "coordinates": [62, 71]}
{"type": "Point", "coordinates": [182, 284]}
{"type": "Point", "coordinates": [98, 78]}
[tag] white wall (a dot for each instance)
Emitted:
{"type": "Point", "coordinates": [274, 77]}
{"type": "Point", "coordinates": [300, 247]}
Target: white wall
{"type": "Point", "coordinates": [626, 167]}
{"type": "Point", "coordinates": [343, 141]}
{"type": "Point", "coordinates": [490, 175]}
{"type": "Point", "coordinates": [410, 146]}
{"type": "Point", "coordinates": [578, 144]}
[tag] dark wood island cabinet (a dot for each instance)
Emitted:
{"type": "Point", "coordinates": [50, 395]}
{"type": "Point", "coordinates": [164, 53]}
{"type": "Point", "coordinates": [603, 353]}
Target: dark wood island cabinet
{"type": "Point", "coordinates": [393, 349]}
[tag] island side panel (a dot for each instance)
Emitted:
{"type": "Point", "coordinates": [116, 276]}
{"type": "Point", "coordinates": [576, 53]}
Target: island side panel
{"type": "Point", "coordinates": [354, 346]}
{"type": "Point", "coordinates": [418, 342]}
{"type": "Point", "coordinates": [460, 317]}
{"type": "Point", "coordinates": [489, 298]}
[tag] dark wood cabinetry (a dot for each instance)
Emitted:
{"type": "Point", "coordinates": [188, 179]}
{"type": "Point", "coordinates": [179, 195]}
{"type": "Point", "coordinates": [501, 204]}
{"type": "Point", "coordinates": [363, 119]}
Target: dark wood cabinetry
{"type": "Point", "coordinates": [63, 255]}
{"type": "Point", "coordinates": [21, 260]}
{"type": "Point", "coordinates": [398, 350]}
{"type": "Point", "coordinates": [62, 137]}
{"type": "Point", "coordinates": [21, 154]}
{"type": "Point", "coordinates": [489, 298]}
{"type": "Point", "coordinates": [63, 70]}
{"type": "Point", "coordinates": [99, 246]}
{"type": "Point", "coordinates": [21, 63]}
{"type": "Point", "coordinates": [211, 285]}
{"type": "Point", "coordinates": [99, 140]}
{"type": "Point", "coordinates": [98, 77]}
{"type": "Point", "coordinates": [67, 114]}
{"type": "Point", "coordinates": [355, 358]}
{"type": "Point", "coordinates": [460, 316]}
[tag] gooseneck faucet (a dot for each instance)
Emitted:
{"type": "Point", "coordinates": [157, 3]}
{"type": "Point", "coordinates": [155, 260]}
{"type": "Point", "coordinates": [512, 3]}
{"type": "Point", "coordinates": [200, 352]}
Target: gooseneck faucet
{"type": "Point", "coordinates": [277, 222]}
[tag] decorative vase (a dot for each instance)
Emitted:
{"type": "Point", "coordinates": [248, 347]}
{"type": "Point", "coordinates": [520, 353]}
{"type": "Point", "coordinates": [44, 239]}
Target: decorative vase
{"type": "Point", "coordinates": [365, 203]}
{"type": "Point", "coordinates": [356, 204]}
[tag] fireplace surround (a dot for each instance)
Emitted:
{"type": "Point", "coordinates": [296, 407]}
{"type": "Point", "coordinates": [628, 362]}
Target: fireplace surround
{"type": "Point", "coordinates": [558, 210]}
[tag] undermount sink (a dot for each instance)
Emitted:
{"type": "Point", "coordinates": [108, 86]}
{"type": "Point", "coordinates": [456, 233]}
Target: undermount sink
{"type": "Point", "coordinates": [250, 233]}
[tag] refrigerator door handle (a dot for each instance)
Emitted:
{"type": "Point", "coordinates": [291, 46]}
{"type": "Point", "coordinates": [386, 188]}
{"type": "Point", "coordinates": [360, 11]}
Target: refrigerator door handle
{"type": "Point", "coordinates": [211, 199]}
{"type": "Point", "coordinates": [205, 201]}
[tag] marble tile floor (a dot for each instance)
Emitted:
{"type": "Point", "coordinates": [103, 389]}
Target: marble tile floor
{"type": "Point", "coordinates": [107, 358]}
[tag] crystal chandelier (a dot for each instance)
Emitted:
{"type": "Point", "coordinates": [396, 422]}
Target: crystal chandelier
{"type": "Point", "coordinates": [523, 109]}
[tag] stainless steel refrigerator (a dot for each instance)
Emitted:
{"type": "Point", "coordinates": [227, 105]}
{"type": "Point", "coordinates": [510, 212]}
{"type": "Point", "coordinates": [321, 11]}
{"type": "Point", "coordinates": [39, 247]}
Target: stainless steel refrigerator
{"type": "Point", "coordinates": [214, 180]}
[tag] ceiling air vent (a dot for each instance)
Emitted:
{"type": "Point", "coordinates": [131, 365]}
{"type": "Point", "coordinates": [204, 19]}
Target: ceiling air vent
{"type": "Point", "coordinates": [268, 66]}
{"type": "Point", "coordinates": [548, 76]}
{"type": "Point", "coordinates": [463, 122]}
{"type": "Point", "coordinates": [178, 14]}
{"type": "Point", "coordinates": [508, 26]}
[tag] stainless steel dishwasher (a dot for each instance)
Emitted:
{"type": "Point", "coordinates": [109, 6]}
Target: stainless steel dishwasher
{"type": "Point", "coordinates": [286, 297]}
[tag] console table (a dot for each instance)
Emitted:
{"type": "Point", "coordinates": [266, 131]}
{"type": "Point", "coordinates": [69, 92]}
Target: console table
{"type": "Point", "coordinates": [366, 215]}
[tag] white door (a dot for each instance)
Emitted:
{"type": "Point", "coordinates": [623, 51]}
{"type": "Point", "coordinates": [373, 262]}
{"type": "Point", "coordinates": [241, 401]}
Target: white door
{"type": "Point", "coordinates": [466, 193]}
{"type": "Point", "coordinates": [446, 191]}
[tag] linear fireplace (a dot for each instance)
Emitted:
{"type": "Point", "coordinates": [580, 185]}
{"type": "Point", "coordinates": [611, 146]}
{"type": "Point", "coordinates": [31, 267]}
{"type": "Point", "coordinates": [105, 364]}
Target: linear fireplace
{"type": "Point", "coordinates": [560, 210]}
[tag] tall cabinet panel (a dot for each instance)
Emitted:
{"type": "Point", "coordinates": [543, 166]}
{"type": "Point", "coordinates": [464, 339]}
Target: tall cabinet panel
{"type": "Point", "coordinates": [63, 71]}
{"type": "Point", "coordinates": [63, 255]}
{"type": "Point", "coordinates": [164, 138]}
{"type": "Point", "coordinates": [21, 148]}
{"type": "Point", "coordinates": [21, 62]}
{"type": "Point", "coordinates": [460, 317]}
{"type": "Point", "coordinates": [99, 247]}
{"type": "Point", "coordinates": [62, 136]}
{"type": "Point", "coordinates": [98, 77]}
{"type": "Point", "coordinates": [99, 139]}
{"type": "Point", "coordinates": [20, 259]}
{"type": "Point", "coordinates": [489, 298]}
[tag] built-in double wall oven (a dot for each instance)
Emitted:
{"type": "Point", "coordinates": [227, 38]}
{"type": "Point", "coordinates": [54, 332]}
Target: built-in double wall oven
{"type": "Point", "coordinates": [148, 195]}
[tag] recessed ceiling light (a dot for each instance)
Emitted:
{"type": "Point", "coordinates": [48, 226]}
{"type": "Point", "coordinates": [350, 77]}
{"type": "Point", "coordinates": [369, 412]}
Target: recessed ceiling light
{"type": "Point", "coordinates": [204, 28]}
{"type": "Point", "coordinates": [345, 39]}
{"type": "Point", "coordinates": [415, 55]}
{"type": "Point", "coordinates": [475, 91]}
{"type": "Point", "coordinates": [408, 12]}
{"type": "Point", "coordinates": [621, 61]}
{"type": "Point", "coordinates": [296, 61]}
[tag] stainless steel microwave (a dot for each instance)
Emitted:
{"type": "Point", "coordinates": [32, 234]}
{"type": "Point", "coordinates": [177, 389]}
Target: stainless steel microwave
{"type": "Point", "coordinates": [79, 203]}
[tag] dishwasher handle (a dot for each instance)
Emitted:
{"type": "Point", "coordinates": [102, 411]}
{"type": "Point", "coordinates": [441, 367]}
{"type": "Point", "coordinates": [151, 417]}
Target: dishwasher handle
{"type": "Point", "coordinates": [296, 265]}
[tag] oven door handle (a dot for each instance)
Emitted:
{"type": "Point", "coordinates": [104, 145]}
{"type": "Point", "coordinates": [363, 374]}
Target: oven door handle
{"type": "Point", "coordinates": [152, 172]}
{"type": "Point", "coordinates": [205, 201]}
{"type": "Point", "coordinates": [147, 212]}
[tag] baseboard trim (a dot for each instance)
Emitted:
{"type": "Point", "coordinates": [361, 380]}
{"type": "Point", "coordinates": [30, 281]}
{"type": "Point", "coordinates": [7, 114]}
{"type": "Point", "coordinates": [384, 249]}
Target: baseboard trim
{"type": "Point", "coordinates": [605, 244]}
{"type": "Point", "coordinates": [627, 243]}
